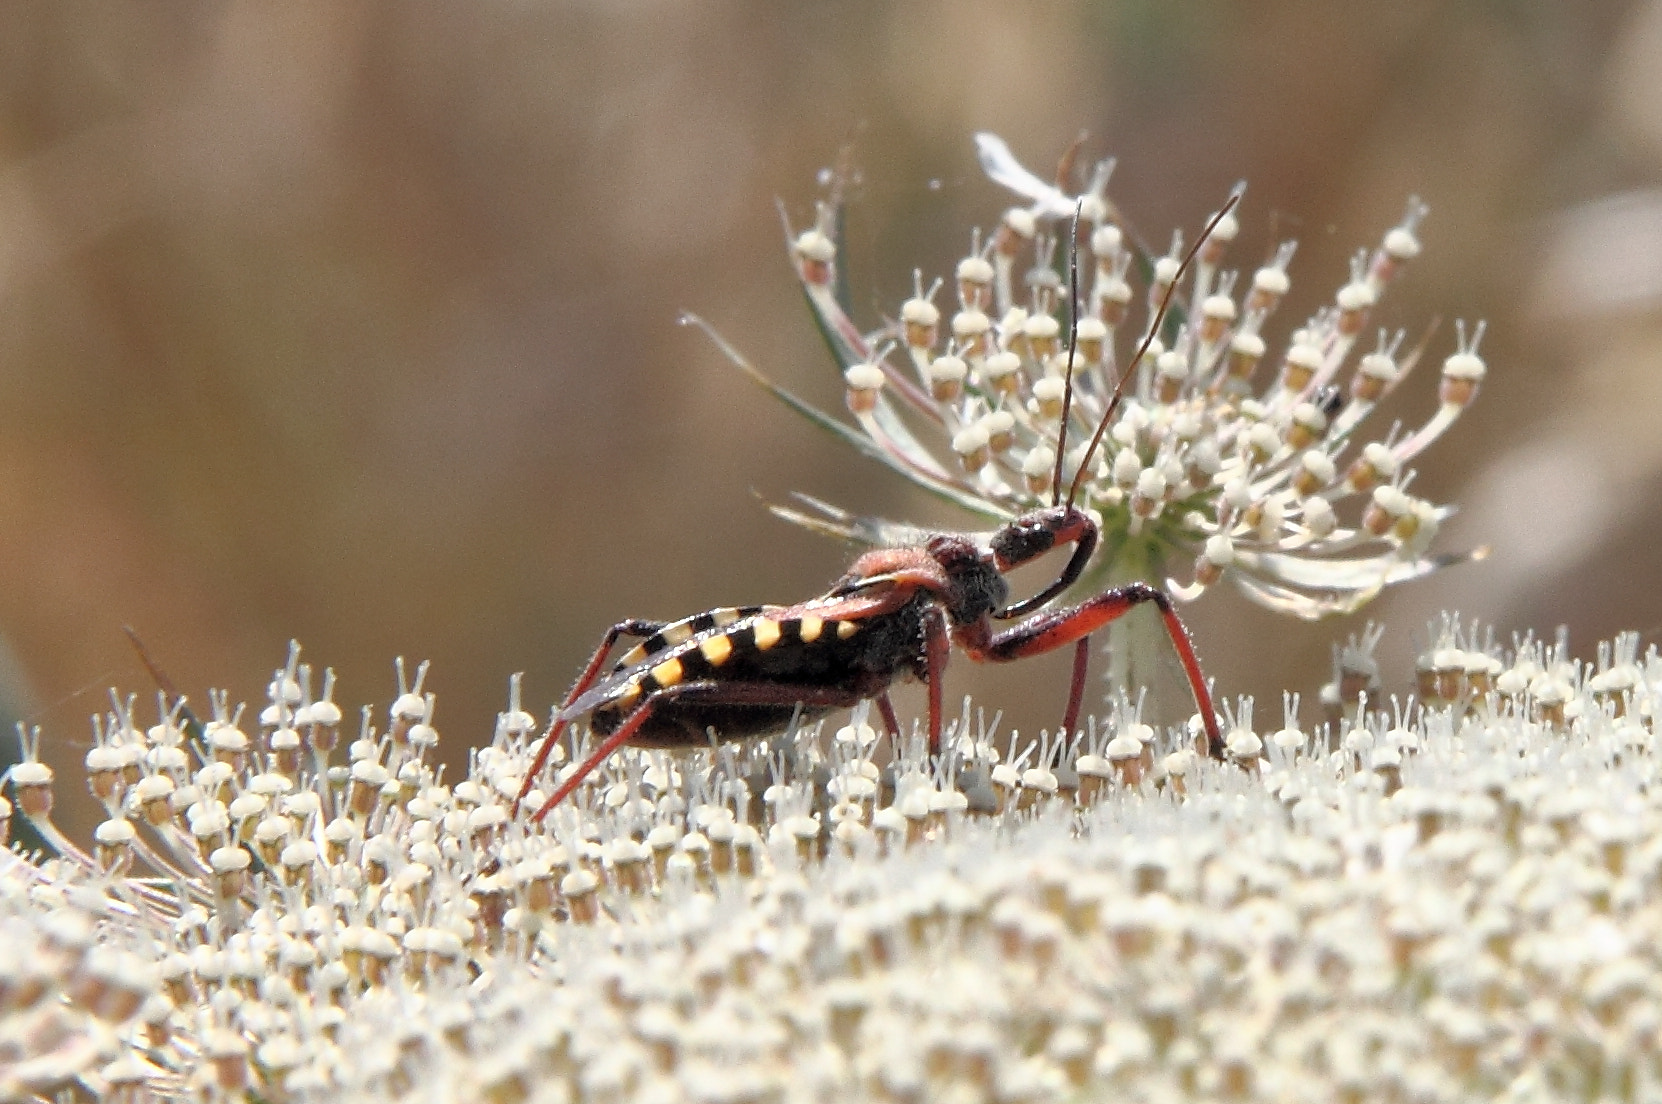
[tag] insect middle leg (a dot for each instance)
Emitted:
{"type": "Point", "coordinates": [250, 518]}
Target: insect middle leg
{"type": "Point", "coordinates": [1048, 631]}
{"type": "Point", "coordinates": [704, 693]}
{"type": "Point", "coordinates": [937, 646]}
{"type": "Point", "coordinates": [636, 627]}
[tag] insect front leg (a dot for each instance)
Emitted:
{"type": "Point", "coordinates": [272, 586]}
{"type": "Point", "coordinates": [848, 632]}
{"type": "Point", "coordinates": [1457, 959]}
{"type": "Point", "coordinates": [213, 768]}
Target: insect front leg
{"type": "Point", "coordinates": [705, 693]}
{"type": "Point", "coordinates": [636, 627]}
{"type": "Point", "coordinates": [1046, 632]}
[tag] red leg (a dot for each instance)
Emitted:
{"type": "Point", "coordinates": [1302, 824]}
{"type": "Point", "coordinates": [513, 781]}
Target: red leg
{"type": "Point", "coordinates": [937, 646]}
{"type": "Point", "coordinates": [1049, 631]}
{"type": "Point", "coordinates": [1076, 689]}
{"type": "Point", "coordinates": [633, 627]}
{"type": "Point", "coordinates": [709, 693]}
{"type": "Point", "coordinates": [886, 707]}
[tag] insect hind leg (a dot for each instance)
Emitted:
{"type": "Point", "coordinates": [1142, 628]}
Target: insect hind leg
{"type": "Point", "coordinates": [704, 692]}
{"type": "Point", "coordinates": [637, 627]}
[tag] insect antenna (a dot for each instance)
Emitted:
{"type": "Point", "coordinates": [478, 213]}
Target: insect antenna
{"type": "Point", "coordinates": [1073, 347]}
{"type": "Point", "coordinates": [1148, 339]}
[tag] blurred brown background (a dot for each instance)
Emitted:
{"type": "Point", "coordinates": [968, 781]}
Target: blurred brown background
{"type": "Point", "coordinates": [357, 323]}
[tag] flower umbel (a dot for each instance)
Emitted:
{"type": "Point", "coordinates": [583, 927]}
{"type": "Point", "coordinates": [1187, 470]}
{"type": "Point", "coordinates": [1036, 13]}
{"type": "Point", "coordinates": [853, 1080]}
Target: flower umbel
{"type": "Point", "coordinates": [1443, 900]}
{"type": "Point", "coordinates": [1254, 471]}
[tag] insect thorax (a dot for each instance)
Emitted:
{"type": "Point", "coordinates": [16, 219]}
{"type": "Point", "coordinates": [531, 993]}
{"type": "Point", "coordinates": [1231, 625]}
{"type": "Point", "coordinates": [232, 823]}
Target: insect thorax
{"type": "Point", "coordinates": [977, 588]}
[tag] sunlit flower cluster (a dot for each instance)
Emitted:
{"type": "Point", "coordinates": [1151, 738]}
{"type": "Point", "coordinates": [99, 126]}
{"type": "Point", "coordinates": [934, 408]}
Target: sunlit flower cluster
{"type": "Point", "coordinates": [1452, 898]}
{"type": "Point", "coordinates": [1223, 459]}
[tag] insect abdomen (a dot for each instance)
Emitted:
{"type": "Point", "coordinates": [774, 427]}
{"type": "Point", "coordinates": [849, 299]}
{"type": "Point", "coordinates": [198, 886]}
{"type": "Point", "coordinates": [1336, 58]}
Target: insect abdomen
{"type": "Point", "coordinates": [861, 657]}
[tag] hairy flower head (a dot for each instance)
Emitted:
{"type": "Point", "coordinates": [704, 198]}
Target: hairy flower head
{"type": "Point", "coordinates": [1453, 898]}
{"type": "Point", "coordinates": [1240, 458]}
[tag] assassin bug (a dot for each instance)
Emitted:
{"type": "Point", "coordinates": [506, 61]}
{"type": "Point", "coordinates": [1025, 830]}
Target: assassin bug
{"type": "Point", "coordinates": [897, 612]}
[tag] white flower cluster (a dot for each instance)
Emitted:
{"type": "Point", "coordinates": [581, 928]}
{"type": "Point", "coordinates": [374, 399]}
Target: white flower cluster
{"type": "Point", "coordinates": [1452, 900]}
{"type": "Point", "coordinates": [1245, 465]}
